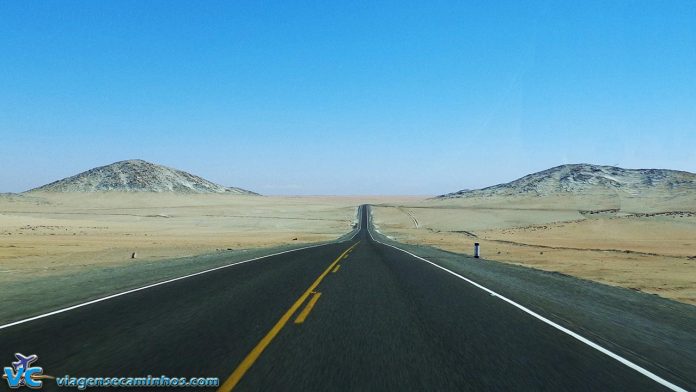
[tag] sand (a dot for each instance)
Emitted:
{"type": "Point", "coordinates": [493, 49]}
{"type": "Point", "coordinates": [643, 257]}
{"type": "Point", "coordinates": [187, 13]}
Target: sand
{"type": "Point", "coordinates": [631, 243]}
{"type": "Point", "coordinates": [51, 233]}
{"type": "Point", "coordinates": [639, 244]}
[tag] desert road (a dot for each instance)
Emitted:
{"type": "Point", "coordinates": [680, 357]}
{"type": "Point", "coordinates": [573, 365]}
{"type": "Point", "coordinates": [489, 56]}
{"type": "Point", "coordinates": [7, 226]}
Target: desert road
{"type": "Point", "coordinates": [356, 315]}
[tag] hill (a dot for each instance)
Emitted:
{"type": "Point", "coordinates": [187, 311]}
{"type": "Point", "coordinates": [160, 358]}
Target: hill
{"type": "Point", "coordinates": [137, 176]}
{"type": "Point", "coordinates": [586, 179]}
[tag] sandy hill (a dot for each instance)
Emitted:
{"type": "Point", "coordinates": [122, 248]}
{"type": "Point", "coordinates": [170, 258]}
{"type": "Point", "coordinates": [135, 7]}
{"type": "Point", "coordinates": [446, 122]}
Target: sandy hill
{"type": "Point", "coordinates": [137, 176]}
{"type": "Point", "coordinates": [586, 179]}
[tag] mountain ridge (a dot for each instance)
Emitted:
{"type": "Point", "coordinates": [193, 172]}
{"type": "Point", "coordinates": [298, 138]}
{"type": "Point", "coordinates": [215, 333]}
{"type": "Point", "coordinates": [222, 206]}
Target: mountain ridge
{"type": "Point", "coordinates": [137, 175]}
{"type": "Point", "coordinates": [584, 178]}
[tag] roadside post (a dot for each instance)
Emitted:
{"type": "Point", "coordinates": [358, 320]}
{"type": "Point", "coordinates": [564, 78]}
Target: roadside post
{"type": "Point", "coordinates": [476, 250]}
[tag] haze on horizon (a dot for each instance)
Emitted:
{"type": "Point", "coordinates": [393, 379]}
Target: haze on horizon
{"type": "Point", "coordinates": [312, 98]}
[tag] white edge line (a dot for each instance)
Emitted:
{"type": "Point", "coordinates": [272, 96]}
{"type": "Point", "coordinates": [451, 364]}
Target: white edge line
{"type": "Point", "coordinates": [565, 330]}
{"type": "Point", "coordinates": [69, 308]}
{"type": "Point", "coordinates": [357, 230]}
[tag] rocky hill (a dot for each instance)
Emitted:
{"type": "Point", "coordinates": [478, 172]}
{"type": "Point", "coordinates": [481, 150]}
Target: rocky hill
{"type": "Point", "coordinates": [586, 179]}
{"type": "Point", "coordinates": [137, 176]}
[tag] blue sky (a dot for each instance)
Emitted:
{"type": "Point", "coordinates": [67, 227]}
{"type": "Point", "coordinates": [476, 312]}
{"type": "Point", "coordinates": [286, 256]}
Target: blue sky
{"type": "Point", "coordinates": [333, 97]}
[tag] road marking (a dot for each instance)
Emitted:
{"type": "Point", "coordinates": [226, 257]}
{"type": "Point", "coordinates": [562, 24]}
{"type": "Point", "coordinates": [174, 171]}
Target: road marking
{"type": "Point", "coordinates": [336, 269]}
{"type": "Point", "coordinates": [308, 308]}
{"type": "Point", "coordinates": [249, 360]}
{"type": "Point", "coordinates": [588, 342]}
{"type": "Point", "coordinates": [360, 223]}
{"type": "Point", "coordinates": [69, 308]}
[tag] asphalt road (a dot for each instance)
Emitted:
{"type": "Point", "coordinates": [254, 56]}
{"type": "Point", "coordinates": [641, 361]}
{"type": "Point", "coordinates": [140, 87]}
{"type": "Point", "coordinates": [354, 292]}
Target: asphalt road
{"type": "Point", "coordinates": [355, 316]}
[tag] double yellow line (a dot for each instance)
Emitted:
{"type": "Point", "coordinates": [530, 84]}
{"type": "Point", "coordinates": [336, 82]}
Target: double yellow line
{"type": "Point", "coordinates": [249, 360]}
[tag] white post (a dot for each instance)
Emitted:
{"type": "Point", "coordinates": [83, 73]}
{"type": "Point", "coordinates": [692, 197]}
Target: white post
{"type": "Point", "coordinates": [476, 250]}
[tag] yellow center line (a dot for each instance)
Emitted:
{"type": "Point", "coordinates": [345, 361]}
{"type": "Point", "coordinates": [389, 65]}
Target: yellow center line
{"type": "Point", "coordinates": [308, 308]}
{"type": "Point", "coordinates": [254, 354]}
{"type": "Point", "coordinates": [336, 269]}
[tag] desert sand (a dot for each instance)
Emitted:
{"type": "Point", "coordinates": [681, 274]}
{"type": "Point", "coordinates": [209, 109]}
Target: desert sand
{"type": "Point", "coordinates": [52, 233]}
{"type": "Point", "coordinates": [640, 244]}
{"type": "Point", "coordinates": [645, 245]}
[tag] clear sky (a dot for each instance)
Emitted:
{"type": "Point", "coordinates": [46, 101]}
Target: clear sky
{"type": "Point", "coordinates": [331, 97]}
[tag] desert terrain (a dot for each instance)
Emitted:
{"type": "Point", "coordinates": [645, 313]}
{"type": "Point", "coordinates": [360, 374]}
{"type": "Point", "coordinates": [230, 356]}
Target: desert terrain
{"type": "Point", "coordinates": [629, 228]}
{"type": "Point", "coordinates": [52, 233]}
{"type": "Point", "coordinates": [132, 223]}
{"type": "Point", "coordinates": [647, 245]}
{"type": "Point", "coordinates": [643, 245]}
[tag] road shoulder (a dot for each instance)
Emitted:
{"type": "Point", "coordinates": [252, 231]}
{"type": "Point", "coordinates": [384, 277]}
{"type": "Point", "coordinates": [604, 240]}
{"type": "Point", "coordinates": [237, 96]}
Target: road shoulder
{"type": "Point", "coordinates": [34, 296]}
{"type": "Point", "coordinates": [647, 329]}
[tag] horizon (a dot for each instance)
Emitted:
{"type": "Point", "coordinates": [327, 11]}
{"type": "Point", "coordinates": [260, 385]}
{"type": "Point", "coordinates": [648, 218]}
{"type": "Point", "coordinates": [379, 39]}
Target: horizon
{"type": "Point", "coordinates": [339, 99]}
{"type": "Point", "coordinates": [341, 195]}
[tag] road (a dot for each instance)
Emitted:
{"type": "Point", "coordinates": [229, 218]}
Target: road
{"type": "Point", "coordinates": [352, 316]}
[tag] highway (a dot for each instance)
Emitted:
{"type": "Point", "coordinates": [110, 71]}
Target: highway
{"type": "Point", "coordinates": [356, 315]}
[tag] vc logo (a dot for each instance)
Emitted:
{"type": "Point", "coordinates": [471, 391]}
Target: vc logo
{"type": "Point", "coordinates": [22, 373]}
